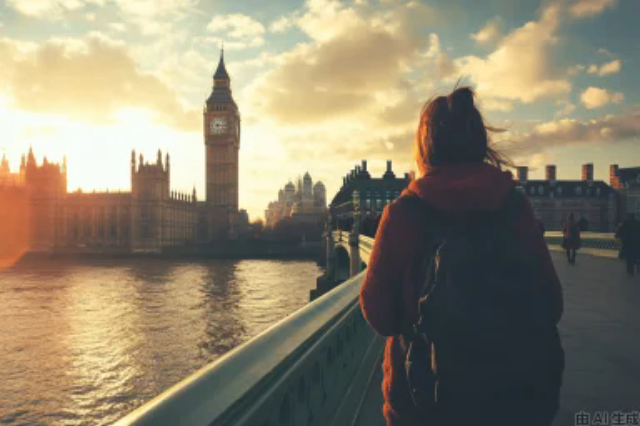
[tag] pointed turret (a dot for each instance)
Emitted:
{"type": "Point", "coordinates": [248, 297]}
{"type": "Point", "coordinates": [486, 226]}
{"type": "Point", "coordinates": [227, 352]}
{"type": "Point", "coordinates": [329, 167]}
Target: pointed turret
{"type": "Point", "coordinates": [221, 71]}
{"type": "Point", "coordinates": [221, 93]}
{"type": "Point", "coordinates": [31, 159]}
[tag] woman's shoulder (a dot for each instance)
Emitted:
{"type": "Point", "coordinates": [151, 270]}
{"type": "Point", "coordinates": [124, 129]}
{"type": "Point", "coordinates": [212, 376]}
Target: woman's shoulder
{"type": "Point", "coordinates": [404, 210]}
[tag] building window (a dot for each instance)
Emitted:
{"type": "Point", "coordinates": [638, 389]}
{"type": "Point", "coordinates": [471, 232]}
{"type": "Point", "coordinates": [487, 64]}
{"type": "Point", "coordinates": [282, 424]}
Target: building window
{"type": "Point", "coordinates": [597, 191]}
{"type": "Point", "coordinates": [578, 190]}
{"type": "Point", "coordinates": [559, 191]}
{"type": "Point", "coordinates": [540, 190]}
{"type": "Point", "coordinates": [532, 190]}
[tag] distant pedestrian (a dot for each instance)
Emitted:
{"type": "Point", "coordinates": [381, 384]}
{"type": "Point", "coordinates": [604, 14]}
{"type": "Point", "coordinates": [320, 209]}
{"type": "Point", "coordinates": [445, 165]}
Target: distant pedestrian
{"type": "Point", "coordinates": [583, 223]}
{"type": "Point", "coordinates": [571, 239]}
{"type": "Point", "coordinates": [629, 234]}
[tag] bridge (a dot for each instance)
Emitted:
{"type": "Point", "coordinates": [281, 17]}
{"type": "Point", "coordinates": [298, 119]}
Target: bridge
{"type": "Point", "coordinates": [321, 365]}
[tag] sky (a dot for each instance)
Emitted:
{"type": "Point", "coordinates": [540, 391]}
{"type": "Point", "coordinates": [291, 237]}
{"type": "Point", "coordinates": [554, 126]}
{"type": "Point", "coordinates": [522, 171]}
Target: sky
{"type": "Point", "coordinates": [320, 84]}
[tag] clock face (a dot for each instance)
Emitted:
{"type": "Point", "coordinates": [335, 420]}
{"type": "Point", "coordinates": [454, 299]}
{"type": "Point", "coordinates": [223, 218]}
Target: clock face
{"type": "Point", "coordinates": [218, 125]}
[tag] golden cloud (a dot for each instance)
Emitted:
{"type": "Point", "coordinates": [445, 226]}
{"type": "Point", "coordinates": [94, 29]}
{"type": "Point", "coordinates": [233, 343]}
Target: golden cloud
{"type": "Point", "coordinates": [88, 79]}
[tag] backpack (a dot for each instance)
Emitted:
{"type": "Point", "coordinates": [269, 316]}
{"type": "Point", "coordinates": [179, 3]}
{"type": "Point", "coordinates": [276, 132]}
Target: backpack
{"type": "Point", "coordinates": [486, 325]}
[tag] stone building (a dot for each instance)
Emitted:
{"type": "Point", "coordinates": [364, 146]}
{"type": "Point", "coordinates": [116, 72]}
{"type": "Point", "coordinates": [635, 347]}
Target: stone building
{"type": "Point", "coordinates": [147, 218]}
{"type": "Point", "coordinates": [306, 203]}
{"type": "Point", "coordinates": [150, 216]}
{"type": "Point", "coordinates": [365, 197]}
{"type": "Point", "coordinates": [627, 182]}
{"type": "Point", "coordinates": [553, 200]}
{"type": "Point", "coordinates": [222, 144]}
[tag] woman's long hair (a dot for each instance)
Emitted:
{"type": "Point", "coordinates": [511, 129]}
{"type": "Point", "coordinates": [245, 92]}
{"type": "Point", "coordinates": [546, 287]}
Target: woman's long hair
{"type": "Point", "coordinates": [451, 131]}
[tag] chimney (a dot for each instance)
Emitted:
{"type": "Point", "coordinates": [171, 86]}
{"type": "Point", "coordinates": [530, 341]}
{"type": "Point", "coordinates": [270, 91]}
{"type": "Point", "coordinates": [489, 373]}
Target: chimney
{"type": "Point", "coordinates": [614, 179]}
{"type": "Point", "coordinates": [587, 172]}
{"type": "Point", "coordinates": [551, 173]}
{"type": "Point", "coordinates": [388, 166]}
{"type": "Point", "coordinates": [523, 173]}
{"type": "Point", "coordinates": [364, 165]}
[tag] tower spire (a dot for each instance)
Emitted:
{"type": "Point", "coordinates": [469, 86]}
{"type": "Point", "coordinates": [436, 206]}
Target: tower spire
{"type": "Point", "coordinates": [221, 71]}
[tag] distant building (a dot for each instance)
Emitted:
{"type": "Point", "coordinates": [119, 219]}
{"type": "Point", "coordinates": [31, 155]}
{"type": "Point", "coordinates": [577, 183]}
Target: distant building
{"type": "Point", "coordinates": [365, 196]}
{"type": "Point", "coordinates": [147, 218]}
{"type": "Point", "coordinates": [151, 216]}
{"type": "Point", "coordinates": [553, 200]}
{"type": "Point", "coordinates": [627, 182]}
{"type": "Point", "coordinates": [306, 203]}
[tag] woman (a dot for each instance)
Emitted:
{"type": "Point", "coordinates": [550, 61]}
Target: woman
{"type": "Point", "coordinates": [571, 239]}
{"type": "Point", "coordinates": [458, 173]}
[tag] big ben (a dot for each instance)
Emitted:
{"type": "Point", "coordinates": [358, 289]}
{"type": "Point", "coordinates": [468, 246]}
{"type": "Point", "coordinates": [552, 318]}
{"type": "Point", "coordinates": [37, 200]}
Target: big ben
{"type": "Point", "coordinates": [222, 143]}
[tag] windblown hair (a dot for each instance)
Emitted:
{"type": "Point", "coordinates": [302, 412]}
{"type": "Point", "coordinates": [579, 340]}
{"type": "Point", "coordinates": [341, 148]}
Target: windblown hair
{"type": "Point", "coordinates": [451, 131]}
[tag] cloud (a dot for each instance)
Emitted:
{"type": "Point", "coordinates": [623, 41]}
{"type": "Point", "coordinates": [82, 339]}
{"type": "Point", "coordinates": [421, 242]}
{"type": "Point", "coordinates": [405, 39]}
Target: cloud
{"type": "Point", "coordinates": [117, 26]}
{"type": "Point", "coordinates": [51, 9]}
{"type": "Point", "coordinates": [595, 97]}
{"type": "Point", "coordinates": [521, 67]}
{"type": "Point", "coordinates": [444, 66]}
{"type": "Point", "coordinates": [244, 31]}
{"type": "Point", "coordinates": [612, 67]}
{"type": "Point", "coordinates": [491, 104]}
{"type": "Point", "coordinates": [589, 8]}
{"type": "Point", "coordinates": [575, 69]}
{"type": "Point", "coordinates": [281, 25]}
{"type": "Point", "coordinates": [240, 26]}
{"type": "Point", "coordinates": [604, 51]}
{"type": "Point", "coordinates": [152, 17]}
{"type": "Point", "coordinates": [319, 13]}
{"type": "Point", "coordinates": [566, 108]}
{"type": "Point", "coordinates": [609, 129]}
{"type": "Point", "coordinates": [88, 79]}
{"type": "Point", "coordinates": [488, 33]}
{"type": "Point", "coordinates": [351, 69]}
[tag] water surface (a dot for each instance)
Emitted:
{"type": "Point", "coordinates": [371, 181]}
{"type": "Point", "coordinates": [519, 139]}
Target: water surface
{"type": "Point", "coordinates": [86, 343]}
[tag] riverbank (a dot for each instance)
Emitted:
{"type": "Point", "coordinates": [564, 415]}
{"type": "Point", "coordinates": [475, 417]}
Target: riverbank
{"type": "Point", "coordinates": [230, 250]}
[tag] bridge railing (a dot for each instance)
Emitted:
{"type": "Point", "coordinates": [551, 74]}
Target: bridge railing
{"type": "Point", "coordinates": [299, 371]}
{"type": "Point", "coordinates": [306, 369]}
{"type": "Point", "coordinates": [598, 244]}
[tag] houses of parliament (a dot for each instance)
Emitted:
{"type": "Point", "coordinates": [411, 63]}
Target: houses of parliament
{"type": "Point", "coordinates": [148, 218]}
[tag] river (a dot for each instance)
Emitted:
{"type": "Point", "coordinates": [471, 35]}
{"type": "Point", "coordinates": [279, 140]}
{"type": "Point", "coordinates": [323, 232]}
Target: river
{"type": "Point", "coordinates": [84, 343]}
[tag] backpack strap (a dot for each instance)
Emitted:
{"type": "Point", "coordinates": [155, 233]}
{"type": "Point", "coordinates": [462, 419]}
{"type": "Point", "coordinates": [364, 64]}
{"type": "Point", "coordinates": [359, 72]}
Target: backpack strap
{"type": "Point", "coordinates": [437, 223]}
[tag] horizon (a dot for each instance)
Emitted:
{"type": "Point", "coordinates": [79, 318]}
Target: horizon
{"type": "Point", "coordinates": [93, 80]}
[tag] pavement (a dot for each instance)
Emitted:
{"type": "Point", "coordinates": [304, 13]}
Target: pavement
{"type": "Point", "coordinates": [600, 331]}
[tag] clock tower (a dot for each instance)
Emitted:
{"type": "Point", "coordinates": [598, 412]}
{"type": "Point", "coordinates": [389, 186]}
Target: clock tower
{"type": "Point", "coordinates": [222, 143]}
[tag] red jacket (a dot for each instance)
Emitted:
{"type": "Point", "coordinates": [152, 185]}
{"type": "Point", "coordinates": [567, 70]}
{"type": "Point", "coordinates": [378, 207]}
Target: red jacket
{"type": "Point", "coordinates": [390, 290]}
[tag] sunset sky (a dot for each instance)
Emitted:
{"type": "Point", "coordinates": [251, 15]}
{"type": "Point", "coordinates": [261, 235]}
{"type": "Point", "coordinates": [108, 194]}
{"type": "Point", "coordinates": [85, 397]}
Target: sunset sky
{"type": "Point", "coordinates": [320, 84]}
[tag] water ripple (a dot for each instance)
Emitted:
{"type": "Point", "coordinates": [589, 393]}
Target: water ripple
{"type": "Point", "coordinates": [86, 343]}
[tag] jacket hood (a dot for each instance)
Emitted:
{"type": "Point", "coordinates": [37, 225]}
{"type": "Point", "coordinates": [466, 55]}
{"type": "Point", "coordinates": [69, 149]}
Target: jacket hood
{"type": "Point", "coordinates": [458, 188]}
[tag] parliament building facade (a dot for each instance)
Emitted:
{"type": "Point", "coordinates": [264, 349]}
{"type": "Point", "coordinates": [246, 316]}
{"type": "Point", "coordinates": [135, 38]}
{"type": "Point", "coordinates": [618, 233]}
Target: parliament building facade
{"type": "Point", "coordinates": [148, 218]}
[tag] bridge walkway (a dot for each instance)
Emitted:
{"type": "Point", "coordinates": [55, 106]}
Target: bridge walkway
{"type": "Point", "coordinates": [599, 329]}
